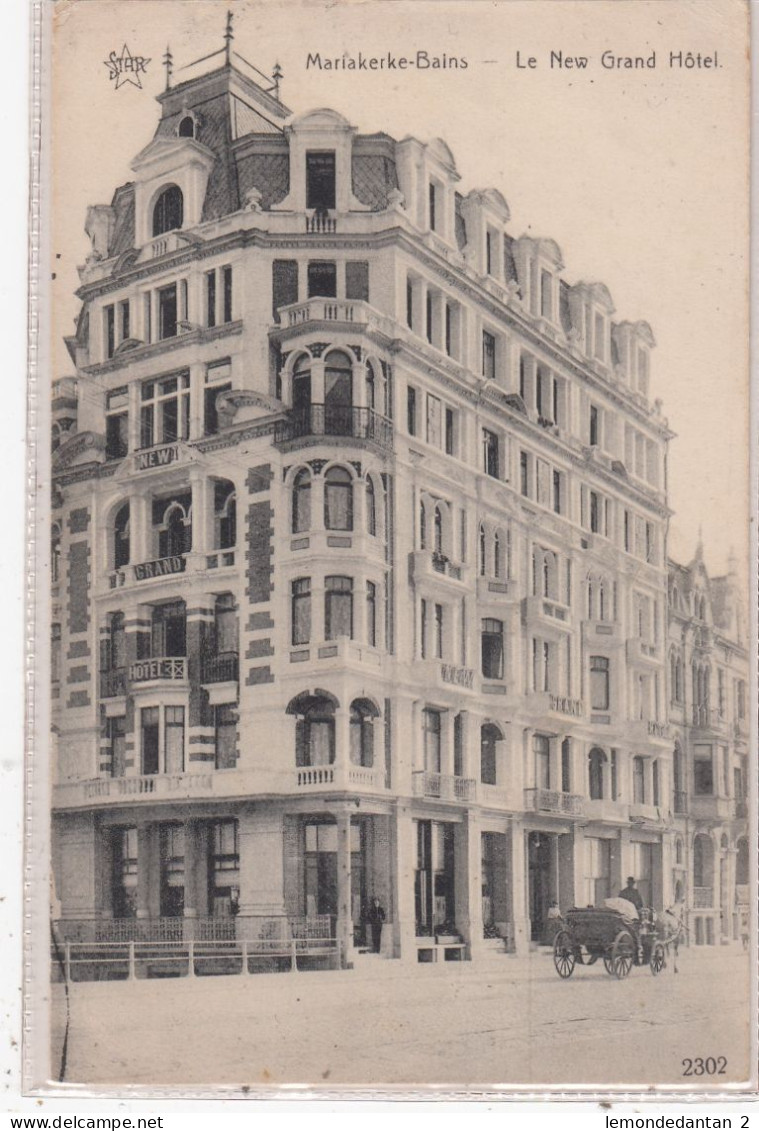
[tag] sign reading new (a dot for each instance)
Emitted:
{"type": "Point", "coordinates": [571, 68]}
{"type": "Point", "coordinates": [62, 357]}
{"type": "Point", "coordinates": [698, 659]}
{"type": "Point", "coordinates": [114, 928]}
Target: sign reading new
{"type": "Point", "coordinates": [156, 457]}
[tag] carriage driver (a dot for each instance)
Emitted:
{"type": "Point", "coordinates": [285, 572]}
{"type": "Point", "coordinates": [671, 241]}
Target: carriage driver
{"type": "Point", "coordinates": [631, 894]}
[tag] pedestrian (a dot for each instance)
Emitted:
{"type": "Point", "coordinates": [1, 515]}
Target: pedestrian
{"type": "Point", "coordinates": [631, 894]}
{"type": "Point", "coordinates": [375, 917]}
{"type": "Point", "coordinates": [553, 923]}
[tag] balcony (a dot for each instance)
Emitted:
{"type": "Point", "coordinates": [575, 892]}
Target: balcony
{"type": "Point", "coordinates": [164, 669]}
{"type": "Point", "coordinates": [548, 703]}
{"type": "Point", "coordinates": [223, 668]}
{"type": "Point", "coordinates": [320, 222]}
{"type": "Point", "coordinates": [429, 565]}
{"type": "Point", "coordinates": [707, 808]}
{"type": "Point", "coordinates": [125, 790]}
{"type": "Point", "coordinates": [606, 810]}
{"type": "Point", "coordinates": [644, 731]}
{"type": "Point", "coordinates": [648, 814]}
{"type": "Point", "coordinates": [331, 421]}
{"type": "Point", "coordinates": [443, 787]}
{"type": "Point", "coordinates": [113, 683]}
{"type": "Point", "coordinates": [553, 801]}
{"type": "Point", "coordinates": [703, 897]}
{"type": "Point", "coordinates": [642, 652]}
{"type": "Point", "coordinates": [707, 718]}
{"type": "Point", "coordinates": [544, 611]}
{"type": "Point", "coordinates": [336, 778]}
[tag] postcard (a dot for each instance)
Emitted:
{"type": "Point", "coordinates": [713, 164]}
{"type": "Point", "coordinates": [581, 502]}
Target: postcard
{"type": "Point", "coordinates": [396, 558]}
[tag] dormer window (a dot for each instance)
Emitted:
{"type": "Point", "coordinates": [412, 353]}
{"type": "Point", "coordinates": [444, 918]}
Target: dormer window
{"type": "Point", "coordinates": [546, 295]}
{"type": "Point", "coordinates": [320, 180]}
{"type": "Point", "coordinates": [168, 211]}
{"type": "Point", "coordinates": [187, 127]}
{"type": "Point", "coordinates": [433, 217]}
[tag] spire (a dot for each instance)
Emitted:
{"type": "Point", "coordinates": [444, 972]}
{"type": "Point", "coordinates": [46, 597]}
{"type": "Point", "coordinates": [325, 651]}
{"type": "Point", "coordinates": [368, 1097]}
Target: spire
{"type": "Point", "coordinates": [228, 37]}
{"type": "Point", "coordinates": [276, 76]}
{"type": "Point", "coordinates": [168, 60]}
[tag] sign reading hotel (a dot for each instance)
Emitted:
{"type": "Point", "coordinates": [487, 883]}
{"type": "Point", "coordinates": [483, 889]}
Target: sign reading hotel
{"type": "Point", "coordinates": [159, 568]}
{"type": "Point", "coordinates": [156, 457]}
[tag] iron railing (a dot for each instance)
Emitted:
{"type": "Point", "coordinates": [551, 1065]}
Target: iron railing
{"type": "Point", "coordinates": [223, 668]}
{"type": "Point", "coordinates": [335, 420]}
{"type": "Point", "coordinates": [553, 801]}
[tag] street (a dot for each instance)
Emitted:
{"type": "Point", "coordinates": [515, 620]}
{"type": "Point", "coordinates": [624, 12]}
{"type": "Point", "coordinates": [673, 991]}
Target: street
{"type": "Point", "coordinates": [512, 1022]}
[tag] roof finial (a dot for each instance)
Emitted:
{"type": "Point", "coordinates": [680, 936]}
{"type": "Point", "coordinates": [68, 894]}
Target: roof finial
{"type": "Point", "coordinates": [228, 37]}
{"type": "Point", "coordinates": [168, 59]}
{"type": "Point", "coordinates": [700, 543]}
{"type": "Point", "coordinates": [276, 78]}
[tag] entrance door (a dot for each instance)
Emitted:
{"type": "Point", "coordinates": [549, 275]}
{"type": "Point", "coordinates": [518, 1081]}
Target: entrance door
{"type": "Point", "coordinates": [539, 879]}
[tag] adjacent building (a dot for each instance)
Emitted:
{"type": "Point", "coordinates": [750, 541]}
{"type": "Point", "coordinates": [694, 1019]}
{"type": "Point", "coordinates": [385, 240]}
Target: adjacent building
{"type": "Point", "coordinates": [359, 556]}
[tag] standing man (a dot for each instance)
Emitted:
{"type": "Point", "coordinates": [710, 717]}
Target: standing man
{"type": "Point", "coordinates": [375, 918]}
{"type": "Point", "coordinates": [631, 894]}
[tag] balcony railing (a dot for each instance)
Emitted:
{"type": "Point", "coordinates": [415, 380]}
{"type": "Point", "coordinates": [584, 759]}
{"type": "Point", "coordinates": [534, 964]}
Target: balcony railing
{"type": "Point", "coordinates": [169, 668]}
{"type": "Point", "coordinates": [335, 420]}
{"type": "Point", "coordinates": [223, 668]}
{"type": "Point", "coordinates": [703, 897]}
{"type": "Point", "coordinates": [320, 221]}
{"type": "Point", "coordinates": [553, 801]}
{"type": "Point", "coordinates": [113, 683]}
{"type": "Point", "coordinates": [704, 716]}
{"type": "Point", "coordinates": [443, 787]}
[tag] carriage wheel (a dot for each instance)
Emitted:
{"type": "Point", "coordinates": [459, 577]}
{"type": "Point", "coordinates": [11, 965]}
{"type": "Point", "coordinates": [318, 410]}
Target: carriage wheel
{"type": "Point", "coordinates": [608, 964]}
{"type": "Point", "coordinates": [563, 955]}
{"type": "Point", "coordinates": [658, 958]}
{"type": "Point", "coordinates": [622, 954]}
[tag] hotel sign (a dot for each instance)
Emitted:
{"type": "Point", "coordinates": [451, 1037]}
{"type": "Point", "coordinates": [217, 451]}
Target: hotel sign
{"type": "Point", "coordinates": [462, 677]}
{"type": "Point", "coordinates": [165, 668]}
{"type": "Point", "coordinates": [159, 568]}
{"type": "Point", "coordinates": [156, 457]}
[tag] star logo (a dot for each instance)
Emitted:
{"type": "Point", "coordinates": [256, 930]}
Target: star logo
{"type": "Point", "coordinates": [126, 67]}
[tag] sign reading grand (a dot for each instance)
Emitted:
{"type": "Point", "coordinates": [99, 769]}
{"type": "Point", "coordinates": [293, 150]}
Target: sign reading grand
{"type": "Point", "coordinates": [159, 568]}
{"type": "Point", "coordinates": [156, 457]}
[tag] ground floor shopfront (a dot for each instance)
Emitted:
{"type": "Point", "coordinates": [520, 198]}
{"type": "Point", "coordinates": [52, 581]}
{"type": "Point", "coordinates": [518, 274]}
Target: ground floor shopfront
{"type": "Point", "coordinates": [460, 872]}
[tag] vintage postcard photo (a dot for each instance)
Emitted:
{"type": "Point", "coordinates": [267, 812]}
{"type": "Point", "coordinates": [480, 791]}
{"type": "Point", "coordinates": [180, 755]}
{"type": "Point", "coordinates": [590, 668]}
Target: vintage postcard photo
{"type": "Point", "coordinates": [400, 680]}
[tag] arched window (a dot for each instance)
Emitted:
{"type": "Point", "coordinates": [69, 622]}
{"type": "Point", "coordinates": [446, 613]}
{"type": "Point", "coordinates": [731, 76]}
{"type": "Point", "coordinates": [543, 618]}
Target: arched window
{"type": "Point", "coordinates": [338, 499]}
{"type": "Point", "coordinates": [225, 515]}
{"type": "Point", "coordinates": [483, 551]}
{"type": "Point", "coordinates": [174, 528]}
{"type": "Point", "coordinates": [490, 736]}
{"type": "Point", "coordinates": [596, 763]}
{"type": "Point", "coordinates": [314, 729]}
{"type": "Point", "coordinates": [55, 554]}
{"type": "Point", "coordinates": [121, 537]}
{"type": "Point", "coordinates": [301, 512]}
{"type": "Point", "coordinates": [363, 714]}
{"type": "Point", "coordinates": [438, 530]}
{"type": "Point", "coordinates": [371, 507]}
{"type": "Point", "coordinates": [168, 212]}
{"type": "Point", "coordinates": [338, 394]}
{"type": "Point", "coordinates": [186, 126]}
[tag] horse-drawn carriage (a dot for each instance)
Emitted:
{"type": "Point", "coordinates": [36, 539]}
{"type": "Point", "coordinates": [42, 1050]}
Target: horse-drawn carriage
{"type": "Point", "coordinates": [590, 933]}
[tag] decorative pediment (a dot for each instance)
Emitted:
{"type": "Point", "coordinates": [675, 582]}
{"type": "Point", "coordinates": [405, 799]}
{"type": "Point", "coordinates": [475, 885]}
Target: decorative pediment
{"type": "Point", "coordinates": [83, 447]}
{"type": "Point", "coordinates": [242, 405]}
{"type": "Point", "coordinates": [164, 154]}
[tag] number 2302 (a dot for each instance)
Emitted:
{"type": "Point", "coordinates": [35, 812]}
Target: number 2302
{"type": "Point", "coordinates": [709, 1066]}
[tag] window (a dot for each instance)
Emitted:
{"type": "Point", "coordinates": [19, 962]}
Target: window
{"type": "Point", "coordinates": [599, 683]}
{"type": "Point", "coordinates": [174, 739]}
{"type": "Point", "coordinates": [225, 515]}
{"type": "Point", "coordinates": [566, 766]}
{"type": "Point", "coordinates": [314, 730]}
{"type": "Point", "coordinates": [542, 751]}
{"type": "Point", "coordinates": [450, 431]}
{"type": "Point", "coordinates": [371, 614]}
{"type": "Point", "coordinates": [439, 626]}
{"type": "Point", "coordinates": [593, 429]}
{"type": "Point", "coordinates": [703, 770]}
{"type": "Point", "coordinates": [490, 453]}
{"type": "Point", "coordinates": [168, 630]}
{"type": "Point", "coordinates": [524, 474]}
{"type": "Point", "coordinates": [655, 781]}
{"type": "Point", "coordinates": [434, 420]}
{"type": "Point", "coordinates": [541, 665]}
{"type": "Point", "coordinates": [362, 718]}
{"type": "Point", "coordinates": [639, 779]}
{"type": "Point", "coordinates": [109, 329]}
{"type": "Point", "coordinates": [223, 642]}
{"type": "Point", "coordinates": [497, 556]}
{"type": "Point", "coordinates": [301, 610]}
{"type": "Point", "coordinates": [357, 280]}
{"type": "Point", "coordinates": [546, 294]}
{"type": "Point", "coordinates": [595, 511]}
{"type": "Point", "coordinates": [338, 394]}
{"type": "Point", "coordinates": [558, 494]}
{"type": "Point", "coordinates": [411, 410]}
{"type": "Point", "coordinates": [432, 726]}
{"type": "Point", "coordinates": [433, 206]}
{"type": "Point", "coordinates": [165, 750]}
{"type": "Point", "coordinates": [172, 520]}
{"type": "Point", "coordinates": [165, 411]}
{"type": "Point", "coordinates": [741, 699]}
{"type": "Point", "coordinates": [167, 312]}
{"type": "Point", "coordinates": [423, 629]}
{"type": "Point", "coordinates": [301, 508]}
{"type": "Point", "coordinates": [117, 424]}
{"type": "Point", "coordinates": [124, 888]}
{"type": "Point", "coordinates": [596, 764]}
{"type": "Point", "coordinates": [338, 499]}
{"type": "Point", "coordinates": [409, 304]}
{"type": "Point", "coordinates": [338, 607]}
{"type": "Point", "coordinates": [488, 355]}
{"type": "Point", "coordinates": [168, 211]}
{"type": "Point", "coordinates": [428, 320]}
{"type": "Point", "coordinates": [600, 331]}
{"type": "Point", "coordinates": [121, 537]}
{"type": "Point", "coordinates": [490, 736]}
{"type": "Point", "coordinates": [492, 648]}
{"type": "Point", "coordinates": [721, 698]}
{"type": "Point", "coordinates": [320, 180]}
{"type": "Point", "coordinates": [210, 298]}
{"type": "Point", "coordinates": [322, 279]}
{"type": "Point", "coordinates": [483, 551]}
{"type": "Point", "coordinates": [114, 645]}
{"type": "Point", "coordinates": [284, 284]}
{"type": "Point", "coordinates": [489, 252]}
